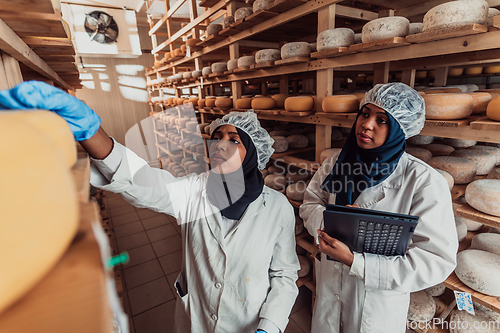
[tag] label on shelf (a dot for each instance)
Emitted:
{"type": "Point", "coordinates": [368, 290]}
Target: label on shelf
{"type": "Point", "coordinates": [464, 302]}
{"type": "Point", "coordinates": [188, 51]}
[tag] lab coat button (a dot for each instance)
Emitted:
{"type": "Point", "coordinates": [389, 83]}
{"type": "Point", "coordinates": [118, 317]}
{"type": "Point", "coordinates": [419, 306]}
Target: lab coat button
{"type": "Point", "coordinates": [338, 297]}
{"type": "Point", "coordinates": [337, 266]}
{"type": "Point", "coordinates": [214, 317]}
{"type": "Point", "coordinates": [218, 285]}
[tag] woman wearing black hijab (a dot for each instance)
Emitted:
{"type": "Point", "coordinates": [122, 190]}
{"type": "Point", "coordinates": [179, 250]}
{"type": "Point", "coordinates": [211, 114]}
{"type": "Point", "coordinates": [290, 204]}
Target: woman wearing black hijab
{"type": "Point", "coordinates": [364, 292]}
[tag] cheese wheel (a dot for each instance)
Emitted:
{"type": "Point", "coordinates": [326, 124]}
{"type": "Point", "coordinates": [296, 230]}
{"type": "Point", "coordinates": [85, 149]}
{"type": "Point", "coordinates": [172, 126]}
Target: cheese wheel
{"type": "Point", "coordinates": [492, 12]}
{"type": "Point", "coordinates": [471, 224]}
{"type": "Point", "coordinates": [280, 144]}
{"type": "Point", "coordinates": [196, 74]}
{"type": "Point", "coordinates": [227, 21]}
{"type": "Point", "coordinates": [263, 103]}
{"type": "Point", "coordinates": [183, 48]}
{"type": "Point", "coordinates": [385, 27]}
{"type": "Point", "coordinates": [200, 149]}
{"type": "Point", "coordinates": [213, 28]}
{"type": "Point", "coordinates": [456, 13]}
{"type": "Point", "coordinates": [276, 182]}
{"type": "Point", "coordinates": [473, 70]}
{"type": "Point", "coordinates": [463, 322]}
{"type": "Point", "coordinates": [484, 195]}
{"type": "Point", "coordinates": [327, 153]}
{"type": "Point", "coordinates": [421, 74]}
{"type": "Point", "coordinates": [479, 270]}
{"type": "Point", "coordinates": [494, 174]}
{"type": "Point", "coordinates": [448, 106]}
{"type": "Point", "coordinates": [232, 64]}
{"type": "Point", "coordinates": [261, 4]}
{"type": "Point", "coordinates": [267, 55]}
{"type": "Point", "coordinates": [277, 169]}
{"type": "Point", "coordinates": [462, 170]}
{"type": "Point", "coordinates": [334, 38]}
{"type": "Point", "coordinates": [178, 52]}
{"type": "Point", "coordinates": [210, 103]}
{"type": "Point", "coordinates": [244, 103]}
{"type": "Point", "coordinates": [246, 61]}
{"type": "Point", "coordinates": [305, 266]}
{"type": "Point", "coordinates": [280, 100]}
{"type": "Point", "coordinates": [461, 229]}
{"type": "Point", "coordinates": [438, 149]}
{"type": "Point", "coordinates": [456, 71]}
{"type": "Point", "coordinates": [299, 103]}
{"type": "Point", "coordinates": [459, 143]}
{"type": "Point", "coordinates": [489, 242]}
{"type": "Point", "coordinates": [299, 225]}
{"type": "Point", "coordinates": [314, 47]}
{"type": "Point", "coordinates": [193, 100]}
{"type": "Point", "coordinates": [415, 28]}
{"type": "Point", "coordinates": [340, 103]}
{"type": "Point", "coordinates": [491, 69]}
{"type": "Point", "coordinates": [219, 67]}
{"type": "Point", "coordinates": [422, 307]}
{"type": "Point", "coordinates": [180, 101]}
{"type": "Point", "coordinates": [242, 12]}
{"type": "Point", "coordinates": [295, 49]}
{"type": "Point", "coordinates": [297, 141]}
{"type": "Point", "coordinates": [480, 102]}
{"type": "Point", "coordinates": [264, 173]}
{"type": "Point", "coordinates": [448, 177]}
{"type": "Point", "coordinates": [493, 109]}
{"type": "Point", "coordinates": [420, 153]}
{"type": "Point", "coordinates": [485, 161]}
{"type": "Point", "coordinates": [223, 102]}
{"type": "Point", "coordinates": [192, 42]}
{"type": "Point", "coordinates": [296, 191]}
{"type": "Point", "coordinates": [420, 140]}
{"type": "Point", "coordinates": [201, 103]}
{"type": "Point", "coordinates": [170, 100]}
{"type": "Point", "coordinates": [295, 177]}
{"type": "Point", "coordinates": [279, 133]}
{"type": "Point", "coordinates": [38, 201]}
{"type": "Point", "coordinates": [186, 75]}
{"type": "Point", "coordinates": [436, 290]}
{"type": "Point", "coordinates": [206, 70]}
{"type": "Point", "coordinates": [192, 126]}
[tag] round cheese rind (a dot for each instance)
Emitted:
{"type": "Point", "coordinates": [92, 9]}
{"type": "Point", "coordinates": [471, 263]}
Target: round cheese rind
{"type": "Point", "coordinates": [385, 27]}
{"type": "Point", "coordinates": [299, 225]}
{"type": "Point", "coordinates": [297, 141]}
{"type": "Point", "coordinates": [479, 270]}
{"type": "Point", "coordinates": [295, 49]}
{"type": "Point", "coordinates": [438, 149]}
{"type": "Point", "coordinates": [299, 103]}
{"type": "Point", "coordinates": [461, 229]}
{"type": "Point", "coordinates": [415, 28]}
{"type": "Point", "coordinates": [458, 143]}
{"type": "Point", "coordinates": [305, 266]}
{"type": "Point", "coordinates": [493, 109]}
{"type": "Point", "coordinates": [276, 182]}
{"type": "Point", "coordinates": [219, 67]}
{"type": "Point", "coordinates": [456, 13]}
{"type": "Point", "coordinates": [463, 322]}
{"type": "Point", "coordinates": [210, 102]}
{"type": "Point", "coordinates": [261, 5]}
{"type": "Point", "coordinates": [186, 75]}
{"type": "Point", "coordinates": [448, 106]}
{"type": "Point", "coordinates": [489, 242]}
{"type": "Point", "coordinates": [422, 307]}
{"type": "Point", "coordinates": [223, 102]}
{"type": "Point", "coordinates": [213, 28]}
{"type": "Point", "coordinates": [280, 144]}
{"type": "Point", "coordinates": [480, 102]}
{"type": "Point", "coordinates": [471, 225]}
{"type": "Point", "coordinates": [492, 150]}
{"type": "Point", "coordinates": [267, 55]}
{"type": "Point", "coordinates": [277, 169]}
{"type": "Point", "coordinates": [340, 103]}
{"type": "Point", "coordinates": [244, 103]}
{"type": "Point", "coordinates": [227, 21]}
{"type": "Point", "coordinates": [201, 103]}
{"type": "Point", "coordinates": [436, 291]}
{"type": "Point", "coordinates": [484, 195]}
{"type": "Point", "coordinates": [206, 70]}
{"type": "Point", "coordinates": [263, 103]}
{"type": "Point", "coordinates": [197, 74]}
{"type": "Point", "coordinates": [232, 64]}
{"type": "Point", "coordinates": [295, 177]}
{"type": "Point", "coordinates": [192, 42]}
{"type": "Point", "coordinates": [455, 71]}
{"type": "Point", "coordinates": [242, 12]}
{"type": "Point", "coordinates": [473, 70]}
{"type": "Point", "coordinates": [334, 38]}
{"type": "Point", "coordinates": [280, 100]}
{"type": "Point", "coordinates": [494, 174]}
{"type": "Point", "coordinates": [38, 202]}
{"type": "Point", "coordinates": [420, 153]}
{"type": "Point", "coordinates": [485, 161]}
{"type": "Point", "coordinates": [296, 191]}
{"type": "Point", "coordinates": [448, 177]}
{"type": "Point", "coordinates": [246, 61]}
{"type": "Point", "coordinates": [462, 170]}
{"type": "Point", "coordinates": [420, 140]}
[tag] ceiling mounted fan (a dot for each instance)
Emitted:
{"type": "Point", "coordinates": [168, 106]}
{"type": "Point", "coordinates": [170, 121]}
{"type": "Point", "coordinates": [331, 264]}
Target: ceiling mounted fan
{"type": "Point", "coordinates": [101, 27]}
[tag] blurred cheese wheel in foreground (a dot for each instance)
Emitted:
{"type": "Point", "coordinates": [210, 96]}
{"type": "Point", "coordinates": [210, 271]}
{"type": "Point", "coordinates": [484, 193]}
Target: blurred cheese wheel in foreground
{"type": "Point", "coordinates": [447, 106]}
{"type": "Point", "coordinates": [340, 103]}
{"type": "Point", "coordinates": [244, 103]}
{"type": "Point", "coordinates": [493, 109]}
{"type": "Point", "coordinates": [52, 125]}
{"type": "Point", "coordinates": [280, 100]}
{"type": "Point", "coordinates": [299, 103]}
{"type": "Point", "coordinates": [263, 103]}
{"type": "Point", "coordinates": [32, 240]}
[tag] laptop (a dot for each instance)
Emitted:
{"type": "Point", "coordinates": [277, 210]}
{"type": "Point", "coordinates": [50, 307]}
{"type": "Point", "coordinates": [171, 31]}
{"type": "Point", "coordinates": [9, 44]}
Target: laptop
{"type": "Point", "coordinates": [370, 231]}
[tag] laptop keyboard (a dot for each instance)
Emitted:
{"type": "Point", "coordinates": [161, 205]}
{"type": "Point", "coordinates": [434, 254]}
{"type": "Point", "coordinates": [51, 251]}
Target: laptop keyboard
{"type": "Point", "coordinates": [378, 238]}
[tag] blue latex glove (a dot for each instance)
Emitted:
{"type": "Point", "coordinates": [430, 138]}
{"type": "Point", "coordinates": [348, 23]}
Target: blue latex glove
{"type": "Point", "coordinates": [260, 331]}
{"type": "Point", "coordinates": [82, 120]}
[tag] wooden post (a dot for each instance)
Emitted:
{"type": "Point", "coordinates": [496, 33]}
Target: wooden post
{"type": "Point", "coordinates": [385, 12]}
{"type": "Point", "coordinates": [234, 53]}
{"type": "Point", "coordinates": [408, 77]}
{"type": "Point", "coordinates": [381, 72]}
{"type": "Point", "coordinates": [284, 84]}
{"type": "Point", "coordinates": [10, 72]}
{"type": "Point", "coordinates": [169, 27]}
{"type": "Point", "coordinates": [441, 76]}
{"type": "Point", "coordinates": [263, 88]}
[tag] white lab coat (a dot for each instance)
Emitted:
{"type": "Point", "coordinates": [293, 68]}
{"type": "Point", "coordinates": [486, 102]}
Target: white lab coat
{"type": "Point", "coordinates": [231, 283]}
{"type": "Point", "coordinates": [373, 295]}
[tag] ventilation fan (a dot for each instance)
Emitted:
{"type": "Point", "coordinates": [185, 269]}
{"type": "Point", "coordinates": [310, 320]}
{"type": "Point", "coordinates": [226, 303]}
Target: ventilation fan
{"type": "Point", "coordinates": [101, 27]}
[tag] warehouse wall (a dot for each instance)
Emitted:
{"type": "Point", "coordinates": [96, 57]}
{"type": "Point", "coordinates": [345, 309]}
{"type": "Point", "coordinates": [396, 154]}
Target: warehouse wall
{"type": "Point", "coordinates": [115, 88]}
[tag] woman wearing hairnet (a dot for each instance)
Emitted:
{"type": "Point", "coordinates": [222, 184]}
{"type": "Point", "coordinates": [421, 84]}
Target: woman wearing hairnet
{"type": "Point", "coordinates": [364, 292]}
{"type": "Point", "coordinates": [239, 262]}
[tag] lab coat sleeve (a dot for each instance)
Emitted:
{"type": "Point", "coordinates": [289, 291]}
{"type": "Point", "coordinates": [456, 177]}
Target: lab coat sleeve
{"type": "Point", "coordinates": [315, 199]}
{"type": "Point", "coordinates": [282, 272]}
{"type": "Point", "coordinates": [123, 172]}
{"type": "Point", "coordinates": [431, 257]}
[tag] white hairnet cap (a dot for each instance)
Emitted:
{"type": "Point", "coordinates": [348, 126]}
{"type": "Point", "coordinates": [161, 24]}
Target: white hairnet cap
{"type": "Point", "coordinates": [403, 102]}
{"type": "Point", "coordinates": [248, 122]}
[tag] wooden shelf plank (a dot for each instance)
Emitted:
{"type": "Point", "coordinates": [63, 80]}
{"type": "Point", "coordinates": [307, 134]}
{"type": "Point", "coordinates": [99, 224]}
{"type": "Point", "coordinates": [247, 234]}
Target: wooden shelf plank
{"type": "Point", "coordinates": [297, 114]}
{"type": "Point", "coordinates": [485, 124]}
{"type": "Point", "coordinates": [457, 191]}
{"type": "Point", "coordinates": [303, 280]}
{"type": "Point", "coordinates": [280, 6]}
{"type": "Point", "coordinates": [260, 16]}
{"type": "Point", "coordinates": [293, 60]}
{"type": "Point", "coordinates": [337, 52]}
{"type": "Point", "coordinates": [268, 112]}
{"type": "Point", "coordinates": [452, 123]}
{"type": "Point", "coordinates": [30, 24]}
{"type": "Point", "coordinates": [240, 70]}
{"type": "Point", "coordinates": [309, 247]}
{"type": "Point", "coordinates": [348, 116]}
{"type": "Point", "coordinates": [229, 31]}
{"type": "Point", "coordinates": [468, 212]}
{"type": "Point", "coordinates": [445, 33]}
{"type": "Point", "coordinates": [267, 64]}
{"type": "Point", "coordinates": [379, 44]}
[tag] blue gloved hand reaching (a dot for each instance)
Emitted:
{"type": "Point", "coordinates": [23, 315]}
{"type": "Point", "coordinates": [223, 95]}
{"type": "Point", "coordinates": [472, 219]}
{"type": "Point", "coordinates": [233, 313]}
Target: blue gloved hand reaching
{"type": "Point", "coordinates": [82, 120]}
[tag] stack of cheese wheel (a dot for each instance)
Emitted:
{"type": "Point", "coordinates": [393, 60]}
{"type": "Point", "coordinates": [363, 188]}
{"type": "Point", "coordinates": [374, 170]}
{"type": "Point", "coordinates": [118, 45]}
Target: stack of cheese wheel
{"type": "Point", "coordinates": [340, 103]}
{"type": "Point", "coordinates": [420, 140]}
{"type": "Point", "coordinates": [456, 13]}
{"type": "Point", "coordinates": [485, 161]}
{"type": "Point", "coordinates": [448, 106]}
{"type": "Point", "coordinates": [484, 195]}
{"type": "Point", "coordinates": [489, 242]}
{"type": "Point", "coordinates": [263, 103]}
{"type": "Point", "coordinates": [462, 170]}
{"type": "Point", "coordinates": [334, 38]}
{"type": "Point", "coordinates": [299, 103]}
{"type": "Point", "coordinates": [296, 191]}
{"type": "Point", "coordinates": [297, 141]}
{"type": "Point", "coordinates": [295, 49]}
{"type": "Point", "coordinates": [280, 144]}
{"type": "Point", "coordinates": [422, 307]}
{"type": "Point", "coordinates": [385, 27]}
{"type": "Point", "coordinates": [36, 228]}
{"type": "Point", "coordinates": [267, 55]}
{"type": "Point", "coordinates": [276, 182]}
{"type": "Point", "coordinates": [459, 143]}
{"type": "Point", "coordinates": [493, 109]}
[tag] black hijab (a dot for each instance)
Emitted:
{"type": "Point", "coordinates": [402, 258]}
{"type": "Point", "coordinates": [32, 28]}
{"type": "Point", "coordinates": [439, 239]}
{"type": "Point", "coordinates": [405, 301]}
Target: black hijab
{"type": "Point", "coordinates": [242, 186]}
{"type": "Point", "coordinates": [357, 169]}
